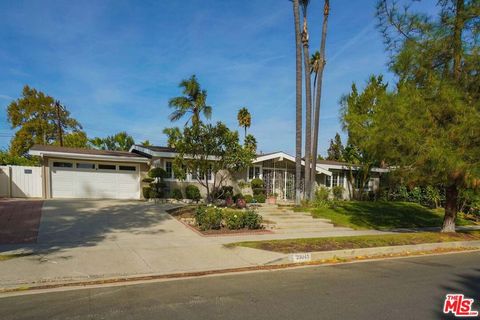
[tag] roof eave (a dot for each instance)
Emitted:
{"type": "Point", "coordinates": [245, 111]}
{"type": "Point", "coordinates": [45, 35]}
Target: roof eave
{"type": "Point", "coordinates": [69, 155]}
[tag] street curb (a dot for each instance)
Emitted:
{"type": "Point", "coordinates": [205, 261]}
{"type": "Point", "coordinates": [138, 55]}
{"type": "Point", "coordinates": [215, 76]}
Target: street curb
{"type": "Point", "coordinates": [318, 258]}
{"type": "Point", "coordinates": [354, 253]}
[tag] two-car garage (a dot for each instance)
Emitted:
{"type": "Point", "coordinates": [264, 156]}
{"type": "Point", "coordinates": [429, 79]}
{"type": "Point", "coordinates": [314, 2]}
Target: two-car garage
{"type": "Point", "coordinates": [90, 174]}
{"type": "Point", "coordinates": [94, 180]}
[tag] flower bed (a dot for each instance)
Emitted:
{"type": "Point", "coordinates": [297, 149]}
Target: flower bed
{"type": "Point", "coordinates": [218, 220]}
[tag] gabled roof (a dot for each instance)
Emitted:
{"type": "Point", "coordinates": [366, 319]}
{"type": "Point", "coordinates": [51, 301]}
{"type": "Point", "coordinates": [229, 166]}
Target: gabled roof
{"type": "Point", "coordinates": [84, 153]}
{"type": "Point", "coordinates": [282, 155]}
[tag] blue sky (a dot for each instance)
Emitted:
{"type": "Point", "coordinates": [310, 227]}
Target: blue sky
{"type": "Point", "coordinates": [115, 64]}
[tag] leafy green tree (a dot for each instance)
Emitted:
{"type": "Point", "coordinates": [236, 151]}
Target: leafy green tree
{"type": "Point", "coordinates": [77, 139]}
{"type": "Point", "coordinates": [120, 141]}
{"type": "Point", "coordinates": [6, 158]}
{"type": "Point", "coordinates": [207, 149]}
{"type": "Point", "coordinates": [428, 124]}
{"type": "Point", "coordinates": [145, 143]}
{"type": "Point", "coordinates": [193, 102]}
{"type": "Point", "coordinates": [38, 121]}
{"type": "Point", "coordinates": [336, 150]}
{"type": "Point", "coordinates": [244, 119]}
{"type": "Point", "coordinates": [357, 109]}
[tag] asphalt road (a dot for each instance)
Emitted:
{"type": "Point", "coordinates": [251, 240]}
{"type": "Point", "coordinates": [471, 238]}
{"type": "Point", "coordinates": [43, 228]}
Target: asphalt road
{"type": "Point", "coordinates": [412, 288]}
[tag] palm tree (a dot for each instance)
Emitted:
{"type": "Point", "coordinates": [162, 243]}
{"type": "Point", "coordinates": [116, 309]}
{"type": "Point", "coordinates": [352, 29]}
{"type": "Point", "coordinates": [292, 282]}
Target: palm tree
{"type": "Point", "coordinates": [244, 119]}
{"type": "Point", "coordinates": [192, 102]}
{"type": "Point", "coordinates": [298, 102]}
{"type": "Point", "coordinates": [320, 65]}
{"type": "Point", "coordinates": [315, 67]}
{"type": "Point", "coordinates": [308, 101]}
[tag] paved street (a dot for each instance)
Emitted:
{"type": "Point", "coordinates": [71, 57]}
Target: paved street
{"type": "Point", "coordinates": [412, 288]}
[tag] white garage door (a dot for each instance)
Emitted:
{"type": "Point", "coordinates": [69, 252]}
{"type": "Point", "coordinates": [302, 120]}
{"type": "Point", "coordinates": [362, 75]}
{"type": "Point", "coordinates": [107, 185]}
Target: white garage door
{"type": "Point", "coordinates": [91, 180]}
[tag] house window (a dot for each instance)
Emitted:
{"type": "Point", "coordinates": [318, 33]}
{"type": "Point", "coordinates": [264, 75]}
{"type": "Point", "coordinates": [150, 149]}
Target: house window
{"type": "Point", "coordinates": [328, 181]}
{"type": "Point", "coordinates": [107, 167]}
{"type": "Point", "coordinates": [169, 169]}
{"type": "Point", "coordinates": [358, 183]}
{"type": "Point", "coordinates": [85, 165]}
{"type": "Point", "coordinates": [63, 165]}
{"type": "Point", "coordinates": [341, 179]}
{"type": "Point", "coordinates": [334, 179]}
{"type": "Point", "coordinates": [194, 175]}
{"type": "Point", "coordinates": [337, 179]}
{"type": "Point", "coordinates": [127, 168]}
{"type": "Point", "coordinates": [253, 172]}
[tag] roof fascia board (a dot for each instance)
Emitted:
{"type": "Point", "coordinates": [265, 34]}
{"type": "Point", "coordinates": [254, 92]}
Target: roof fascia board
{"type": "Point", "coordinates": [69, 155]}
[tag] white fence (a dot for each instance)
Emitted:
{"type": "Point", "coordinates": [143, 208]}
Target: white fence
{"type": "Point", "coordinates": [20, 182]}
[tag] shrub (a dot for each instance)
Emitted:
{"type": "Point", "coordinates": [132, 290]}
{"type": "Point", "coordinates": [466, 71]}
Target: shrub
{"type": "Point", "coordinates": [157, 189]}
{"type": "Point", "coordinates": [241, 203]}
{"type": "Point", "coordinates": [338, 192]}
{"type": "Point", "coordinates": [208, 218]}
{"type": "Point", "coordinates": [148, 180]}
{"type": "Point", "coordinates": [157, 173]}
{"type": "Point", "coordinates": [234, 219]}
{"type": "Point", "coordinates": [146, 192]}
{"type": "Point", "coordinates": [192, 192]}
{"type": "Point", "coordinates": [322, 197]}
{"type": "Point", "coordinates": [252, 220]}
{"type": "Point", "coordinates": [229, 202]}
{"type": "Point", "coordinates": [248, 198]}
{"type": "Point", "coordinates": [177, 194]}
{"type": "Point", "coordinates": [257, 186]}
{"type": "Point", "coordinates": [223, 193]}
{"type": "Point", "coordinates": [237, 196]}
{"type": "Point", "coordinates": [260, 198]}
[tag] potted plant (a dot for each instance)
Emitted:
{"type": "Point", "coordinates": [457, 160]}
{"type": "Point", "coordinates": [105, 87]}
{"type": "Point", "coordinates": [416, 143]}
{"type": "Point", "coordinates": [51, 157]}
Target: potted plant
{"type": "Point", "coordinates": [272, 198]}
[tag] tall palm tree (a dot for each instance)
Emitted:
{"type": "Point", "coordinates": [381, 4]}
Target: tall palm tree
{"type": "Point", "coordinates": [244, 119]}
{"type": "Point", "coordinates": [315, 67]}
{"type": "Point", "coordinates": [318, 90]}
{"type": "Point", "coordinates": [308, 101]}
{"type": "Point", "coordinates": [298, 101]}
{"type": "Point", "coordinates": [193, 102]}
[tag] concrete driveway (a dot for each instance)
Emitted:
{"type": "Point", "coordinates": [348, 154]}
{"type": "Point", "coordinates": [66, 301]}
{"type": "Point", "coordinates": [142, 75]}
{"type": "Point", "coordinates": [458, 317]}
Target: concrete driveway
{"type": "Point", "coordinates": [85, 239]}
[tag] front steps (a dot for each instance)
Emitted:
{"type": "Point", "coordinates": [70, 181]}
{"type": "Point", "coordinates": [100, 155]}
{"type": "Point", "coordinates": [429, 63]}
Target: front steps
{"type": "Point", "coordinates": [285, 220]}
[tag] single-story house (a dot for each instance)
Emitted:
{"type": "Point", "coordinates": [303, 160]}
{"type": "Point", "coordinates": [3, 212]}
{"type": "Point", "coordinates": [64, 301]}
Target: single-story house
{"type": "Point", "coordinates": [90, 173]}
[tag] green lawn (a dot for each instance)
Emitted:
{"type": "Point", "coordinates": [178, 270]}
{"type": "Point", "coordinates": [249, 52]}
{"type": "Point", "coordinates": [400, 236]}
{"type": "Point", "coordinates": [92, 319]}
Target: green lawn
{"type": "Point", "coordinates": [382, 215]}
{"type": "Point", "coordinates": [355, 242]}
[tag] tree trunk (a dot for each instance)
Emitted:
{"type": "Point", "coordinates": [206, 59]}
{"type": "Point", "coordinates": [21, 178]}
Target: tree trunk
{"type": "Point", "coordinates": [318, 93]}
{"type": "Point", "coordinates": [457, 39]}
{"type": "Point", "coordinates": [451, 199]}
{"type": "Point", "coordinates": [308, 113]}
{"type": "Point", "coordinates": [298, 103]}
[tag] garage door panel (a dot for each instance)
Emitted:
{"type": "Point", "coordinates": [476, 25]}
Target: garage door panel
{"type": "Point", "coordinates": [94, 184]}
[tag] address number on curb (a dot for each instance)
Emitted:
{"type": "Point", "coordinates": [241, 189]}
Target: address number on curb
{"type": "Point", "coordinates": [301, 257]}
